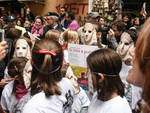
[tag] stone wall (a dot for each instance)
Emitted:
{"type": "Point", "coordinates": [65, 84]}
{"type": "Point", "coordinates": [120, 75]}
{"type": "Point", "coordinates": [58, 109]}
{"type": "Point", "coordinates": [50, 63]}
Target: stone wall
{"type": "Point", "coordinates": [79, 7]}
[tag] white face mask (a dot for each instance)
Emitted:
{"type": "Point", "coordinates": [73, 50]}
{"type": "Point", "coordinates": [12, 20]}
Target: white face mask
{"type": "Point", "coordinates": [22, 49]}
{"type": "Point", "coordinates": [125, 45]}
{"type": "Point", "coordinates": [88, 32]}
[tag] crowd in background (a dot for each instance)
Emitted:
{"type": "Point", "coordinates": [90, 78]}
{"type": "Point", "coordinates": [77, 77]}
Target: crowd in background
{"type": "Point", "coordinates": [35, 72]}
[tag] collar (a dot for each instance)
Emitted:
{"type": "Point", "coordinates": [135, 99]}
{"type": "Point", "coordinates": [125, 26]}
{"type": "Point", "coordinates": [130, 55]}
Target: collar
{"type": "Point", "coordinates": [55, 26]}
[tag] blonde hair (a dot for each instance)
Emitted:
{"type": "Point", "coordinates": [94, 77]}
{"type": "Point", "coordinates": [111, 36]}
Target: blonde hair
{"type": "Point", "coordinates": [70, 35]}
{"type": "Point", "coordinates": [53, 34]}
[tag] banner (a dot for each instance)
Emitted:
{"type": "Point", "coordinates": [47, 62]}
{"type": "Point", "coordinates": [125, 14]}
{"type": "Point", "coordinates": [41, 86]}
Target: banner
{"type": "Point", "coordinates": [77, 55]}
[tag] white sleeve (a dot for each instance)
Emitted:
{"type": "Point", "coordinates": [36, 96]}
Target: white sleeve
{"type": "Point", "coordinates": [4, 100]}
{"type": "Point", "coordinates": [84, 98]}
{"type": "Point", "coordinates": [80, 100]}
{"type": "Point", "coordinates": [30, 109]}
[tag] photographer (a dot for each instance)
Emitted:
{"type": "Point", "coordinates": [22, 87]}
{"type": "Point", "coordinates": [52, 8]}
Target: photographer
{"type": "Point", "coordinates": [114, 34]}
{"type": "Point", "coordinates": [104, 33]}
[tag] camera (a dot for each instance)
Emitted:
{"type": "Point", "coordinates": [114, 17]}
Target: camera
{"type": "Point", "coordinates": [106, 28]}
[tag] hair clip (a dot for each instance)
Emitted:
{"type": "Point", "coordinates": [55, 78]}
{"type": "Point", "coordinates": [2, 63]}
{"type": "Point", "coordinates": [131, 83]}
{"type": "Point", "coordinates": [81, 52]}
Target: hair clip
{"type": "Point", "coordinates": [16, 69]}
{"type": "Point", "coordinates": [43, 51]}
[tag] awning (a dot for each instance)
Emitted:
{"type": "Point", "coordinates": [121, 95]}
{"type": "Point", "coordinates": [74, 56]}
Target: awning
{"type": "Point", "coordinates": [25, 0]}
{"type": "Point", "coordinates": [5, 0]}
{"type": "Point", "coordinates": [36, 1]}
{"type": "Point", "coordinates": [41, 1]}
{"type": "Point", "coordinates": [15, 0]}
{"type": "Point", "coordinates": [31, 0]}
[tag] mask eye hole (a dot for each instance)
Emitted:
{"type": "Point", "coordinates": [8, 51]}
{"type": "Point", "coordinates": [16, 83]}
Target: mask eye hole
{"type": "Point", "coordinates": [24, 47]}
{"type": "Point", "coordinates": [83, 30]}
{"type": "Point", "coordinates": [126, 43]}
{"type": "Point", "coordinates": [18, 48]}
{"type": "Point", "coordinates": [90, 31]}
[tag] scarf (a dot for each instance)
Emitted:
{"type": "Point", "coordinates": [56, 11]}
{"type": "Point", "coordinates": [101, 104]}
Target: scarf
{"type": "Point", "coordinates": [37, 30]}
{"type": "Point", "coordinates": [20, 91]}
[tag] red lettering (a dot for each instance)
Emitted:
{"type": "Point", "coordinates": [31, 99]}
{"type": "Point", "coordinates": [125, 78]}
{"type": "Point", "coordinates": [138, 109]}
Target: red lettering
{"type": "Point", "coordinates": [58, 8]}
{"type": "Point", "coordinates": [75, 10]}
{"type": "Point", "coordinates": [74, 7]}
{"type": "Point", "coordinates": [84, 5]}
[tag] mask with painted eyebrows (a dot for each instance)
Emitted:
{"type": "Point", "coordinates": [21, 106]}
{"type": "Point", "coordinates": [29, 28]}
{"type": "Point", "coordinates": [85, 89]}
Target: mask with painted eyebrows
{"type": "Point", "coordinates": [125, 45]}
{"type": "Point", "coordinates": [22, 49]}
{"type": "Point", "coordinates": [89, 34]}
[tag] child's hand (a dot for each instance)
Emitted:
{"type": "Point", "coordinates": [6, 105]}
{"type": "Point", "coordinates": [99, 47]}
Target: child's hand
{"type": "Point", "coordinates": [5, 81]}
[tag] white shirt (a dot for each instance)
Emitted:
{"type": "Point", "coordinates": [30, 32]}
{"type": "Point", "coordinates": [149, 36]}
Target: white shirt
{"type": "Point", "coordinates": [80, 100]}
{"type": "Point", "coordinates": [133, 93]}
{"type": "Point", "coordinates": [8, 100]}
{"type": "Point", "coordinates": [39, 103]}
{"type": "Point", "coordinates": [55, 26]}
{"type": "Point", "coordinates": [114, 105]}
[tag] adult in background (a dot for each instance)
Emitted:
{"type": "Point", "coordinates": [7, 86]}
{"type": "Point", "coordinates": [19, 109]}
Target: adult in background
{"type": "Point", "coordinates": [62, 17]}
{"type": "Point", "coordinates": [11, 21]}
{"type": "Point", "coordinates": [102, 21]}
{"type": "Point", "coordinates": [73, 24]}
{"type": "Point", "coordinates": [127, 20]}
{"type": "Point", "coordinates": [93, 17]}
{"type": "Point", "coordinates": [20, 22]}
{"type": "Point", "coordinates": [114, 34]}
{"type": "Point", "coordinates": [52, 23]}
{"type": "Point", "coordinates": [29, 16]}
{"type": "Point", "coordinates": [37, 28]}
{"type": "Point", "coordinates": [27, 25]}
{"type": "Point", "coordinates": [3, 22]}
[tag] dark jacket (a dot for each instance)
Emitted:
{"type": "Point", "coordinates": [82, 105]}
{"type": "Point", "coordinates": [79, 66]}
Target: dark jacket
{"type": "Point", "coordinates": [47, 28]}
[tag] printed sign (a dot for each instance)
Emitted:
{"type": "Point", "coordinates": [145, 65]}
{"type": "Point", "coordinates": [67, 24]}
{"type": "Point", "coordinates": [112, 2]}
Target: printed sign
{"type": "Point", "coordinates": [77, 59]}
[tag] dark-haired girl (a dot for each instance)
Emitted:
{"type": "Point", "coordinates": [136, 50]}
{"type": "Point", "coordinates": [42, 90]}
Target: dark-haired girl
{"type": "Point", "coordinates": [105, 65]}
{"type": "Point", "coordinates": [50, 91]}
{"type": "Point", "coordinates": [15, 89]}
